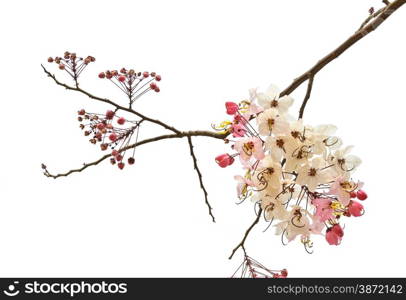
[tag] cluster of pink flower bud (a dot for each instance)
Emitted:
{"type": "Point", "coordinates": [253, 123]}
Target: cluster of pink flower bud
{"type": "Point", "coordinates": [71, 63]}
{"type": "Point", "coordinates": [250, 268]}
{"type": "Point", "coordinates": [133, 84]}
{"type": "Point", "coordinates": [335, 233]}
{"type": "Point", "coordinates": [101, 128]}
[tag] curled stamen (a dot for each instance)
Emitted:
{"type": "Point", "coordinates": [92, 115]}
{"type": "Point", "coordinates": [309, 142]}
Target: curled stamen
{"type": "Point", "coordinates": [282, 237]}
{"type": "Point", "coordinates": [308, 247]}
{"type": "Point", "coordinates": [329, 143]}
{"type": "Point", "coordinates": [299, 219]}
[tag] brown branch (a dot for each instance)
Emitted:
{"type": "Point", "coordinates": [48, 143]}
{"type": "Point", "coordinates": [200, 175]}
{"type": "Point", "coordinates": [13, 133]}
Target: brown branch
{"type": "Point", "coordinates": [307, 97]}
{"type": "Point", "coordinates": [146, 141]}
{"type": "Point", "coordinates": [108, 101]}
{"type": "Point", "coordinates": [199, 174]}
{"type": "Point", "coordinates": [358, 35]}
{"type": "Point", "coordinates": [370, 17]}
{"type": "Point", "coordinates": [241, 244]}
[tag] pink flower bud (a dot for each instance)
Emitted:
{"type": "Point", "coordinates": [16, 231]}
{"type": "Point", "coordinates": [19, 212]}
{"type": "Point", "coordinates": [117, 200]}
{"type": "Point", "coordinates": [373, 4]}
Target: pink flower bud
{"type": "Point", "coordinates": [338, 230]}
{"type": "Point", "coordinates": [231, 107]}
{"type": "Point", "coordinates": [110, 114]}
{"type": "Point", "coordinates": [145, 74]}
{"type": "Point", "coordinates": [121, 78]}
{"type": "Point", "coordinates": [355, 209]}
{"type": "Point", "coordinates": [113, 137]}
{"type": "Point", "coordinates": [284, 273]}
{"type": "Point", "coordinates": [121, 165]}
{"type": "Point", "coordinates": [101, 126]}
{"type": "Point", "coordinates": [121, 121]}
{"type": "Point", "coordinates": [81, 112]}
{"type": "Point", "coordinates": [224, 160]}
{"type": "Point", "coordinates": [361, 195]}
{"type": "Point", "coordinates": [158, 78]}
{"type": "Point", "coordinates": [102, 75]}
{"type": "Point", "coordinates": [334, 235]}
{"type": "Point", "coordinates": [114, 152]}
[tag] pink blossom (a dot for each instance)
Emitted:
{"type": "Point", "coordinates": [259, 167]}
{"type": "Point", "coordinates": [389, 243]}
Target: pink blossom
{"type": "Point", "coordinates": [250, 147]}
{"type": "Point", "coordinates": [323, 209]}
{"type": "Point", "coordinates": [337, 189]}
{"type": "Point", "coordinates": [316, 226]}
{"type": "Point", "coordinates": [224, 160]}
{"type": "Point", "coordinates": [355, 208]}
{"type": "Point", "coordinates": [231, 107]}
{"type": "Point", "coordinates": [238, 130]}
{"type": "Point", "coordinates": [334, 235]}
{"type": "Point", "coordinates": [361, 195]}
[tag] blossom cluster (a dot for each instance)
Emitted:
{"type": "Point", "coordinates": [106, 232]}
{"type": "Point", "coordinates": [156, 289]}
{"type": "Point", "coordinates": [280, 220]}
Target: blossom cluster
{"type": "Point", "coordinates": [111, 132]}
{"type": "Point", "coordinates": [71, 63]}
{"type": "Point", "coordinates": [300, 176]}
{"type": "Point", "coordinates": [133, 84]}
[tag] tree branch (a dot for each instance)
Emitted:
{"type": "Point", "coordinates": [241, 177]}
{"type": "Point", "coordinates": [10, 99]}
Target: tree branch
{"type": "Point", "coordinates": [358, 35]}
{"type": "Point", "coordinates": [146, 141]}
{"type": "Point", "coordinates": [199, 174]}
{"type": "Point", "coordinates": [241, 244]}
{"type": "Point", "coordinates": [307, 97]}
{"type": "Point", "coordinates": [108, 101]}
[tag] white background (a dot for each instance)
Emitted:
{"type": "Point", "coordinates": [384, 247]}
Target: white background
{"type": "Point", "coordinates": [150, 219]}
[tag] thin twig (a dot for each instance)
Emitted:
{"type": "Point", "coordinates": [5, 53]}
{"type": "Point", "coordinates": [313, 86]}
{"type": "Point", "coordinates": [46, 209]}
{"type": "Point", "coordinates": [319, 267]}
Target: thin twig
{"type": "Point", "coordinates": [241, 244]}
{"type": "Point", "coordinates": [108, 101]}
{"type": "Point", "coordinates": [146, 141]}
{"type": "Point", "coordinates": [307, 97]}
{"type": "Point", "coordinates": [389, 10]}
{"type": "Point", "coordinates": [199, 174]}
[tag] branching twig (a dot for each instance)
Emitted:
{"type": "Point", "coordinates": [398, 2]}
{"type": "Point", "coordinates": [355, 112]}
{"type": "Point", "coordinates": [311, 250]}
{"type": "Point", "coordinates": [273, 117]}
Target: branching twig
{"type": "Point", "coordinates": [146, 141]}
{"type": "Point", "coordinates": [199, 174]}
{"type": "Point", "coordinates": [108, 101]}
{"type": "Point", "coordinates": [388, 11]}
{"type": "Point", "coordinates": [241, 244]}
{"type": "Point", "coordinates": [94, 163]}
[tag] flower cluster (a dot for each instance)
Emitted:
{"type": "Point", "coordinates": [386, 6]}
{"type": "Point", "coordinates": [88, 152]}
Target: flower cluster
{"type": "Point", "coordinates": [111, 132]}
{"type": "Point", "coordinates": [250, 268]}
{"type": "Point", "coordinates": [133, 84]}
{"type": "Point", "coordinates": [72, 64]}
{"type": "Point", "coordinates": [298, 175]}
